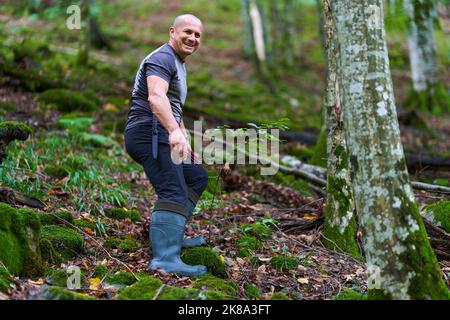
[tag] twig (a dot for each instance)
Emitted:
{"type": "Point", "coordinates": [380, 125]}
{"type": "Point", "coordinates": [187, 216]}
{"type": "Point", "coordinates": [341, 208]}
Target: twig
{"type": "Point", "coordinates": [158, 292]}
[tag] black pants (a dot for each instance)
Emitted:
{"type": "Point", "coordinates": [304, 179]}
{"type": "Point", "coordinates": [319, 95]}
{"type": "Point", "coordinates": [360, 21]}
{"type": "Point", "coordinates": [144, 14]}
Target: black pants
{"type": "Point", "coordinates": [175, 184]}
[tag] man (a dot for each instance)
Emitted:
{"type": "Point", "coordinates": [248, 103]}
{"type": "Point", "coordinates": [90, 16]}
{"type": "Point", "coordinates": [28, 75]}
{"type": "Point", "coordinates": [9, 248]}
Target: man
{"type": "Point", "coordinates": [155, 131]}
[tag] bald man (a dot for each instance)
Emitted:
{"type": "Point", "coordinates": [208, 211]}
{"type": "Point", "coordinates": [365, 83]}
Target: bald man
{"type": "Point", "coordinates": [153, 131]}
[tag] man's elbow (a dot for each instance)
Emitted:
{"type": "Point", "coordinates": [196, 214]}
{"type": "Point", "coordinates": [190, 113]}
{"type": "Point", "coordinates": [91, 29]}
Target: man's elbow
{"type": "Point", "coordinates": [154, 98]}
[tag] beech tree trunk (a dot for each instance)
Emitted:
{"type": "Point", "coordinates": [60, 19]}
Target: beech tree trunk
{"type": "Point", "coordinates": [340, 215]}
{"type": "Point", "coordinates": [400, 261]}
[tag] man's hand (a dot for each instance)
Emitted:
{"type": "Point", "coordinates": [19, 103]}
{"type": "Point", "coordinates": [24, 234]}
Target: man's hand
{"type": "Point", "coordinates": [179, 146]}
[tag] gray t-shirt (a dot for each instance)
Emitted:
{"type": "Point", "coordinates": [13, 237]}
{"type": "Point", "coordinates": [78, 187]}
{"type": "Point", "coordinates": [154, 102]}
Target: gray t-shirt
{"type": "Point", "coordinates": [165, 63]}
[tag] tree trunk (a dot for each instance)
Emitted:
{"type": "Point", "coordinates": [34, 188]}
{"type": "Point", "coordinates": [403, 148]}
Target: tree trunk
{"type": "Point", "coordinates": [84, 45]}
{"type": "Point", "coordinates": [428, 93]}
{"type": "Point", "coordinates": [340, 215]}
{"type": "Point", "coordinates": [401, 263]}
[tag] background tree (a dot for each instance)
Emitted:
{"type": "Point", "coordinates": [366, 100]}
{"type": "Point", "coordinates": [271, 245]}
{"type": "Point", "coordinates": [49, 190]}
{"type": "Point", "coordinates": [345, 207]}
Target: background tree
{"type": "Point", "coordinates": [428, 92]}
{"type": "Point", "coordinates": [401, 263]}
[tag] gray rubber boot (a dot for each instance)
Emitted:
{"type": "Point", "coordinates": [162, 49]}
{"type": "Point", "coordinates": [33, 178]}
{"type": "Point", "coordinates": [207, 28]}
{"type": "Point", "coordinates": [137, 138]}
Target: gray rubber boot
{"type": "Point", "coordinates": [166, 236]}
{"type": "Point", "coordinates": [195, 241]}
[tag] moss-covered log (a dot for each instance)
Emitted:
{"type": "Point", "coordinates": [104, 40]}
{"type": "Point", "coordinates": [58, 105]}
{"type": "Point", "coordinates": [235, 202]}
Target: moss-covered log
{"type": "Point", "coordinates": [401, 263]}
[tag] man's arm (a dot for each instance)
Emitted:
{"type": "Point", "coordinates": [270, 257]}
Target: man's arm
{"type": "Point", "coordinates": [160, 104]}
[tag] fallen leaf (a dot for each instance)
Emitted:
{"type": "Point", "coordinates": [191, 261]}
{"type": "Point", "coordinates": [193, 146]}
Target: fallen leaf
{"type": "Point", "coordinates": [303, 280]}
{"type": "Point", "coordinates": [94, 284]}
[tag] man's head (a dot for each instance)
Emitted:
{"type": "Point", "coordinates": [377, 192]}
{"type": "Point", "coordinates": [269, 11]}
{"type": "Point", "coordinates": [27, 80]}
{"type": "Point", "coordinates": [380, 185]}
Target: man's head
{"type": "Point", "coordinates": [185, 34]}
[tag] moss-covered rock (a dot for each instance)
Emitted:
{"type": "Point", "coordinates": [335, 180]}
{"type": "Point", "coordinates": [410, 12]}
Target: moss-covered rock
{"type": "Point", "coordinates": [9, 131]}
{"type": "Point", "coordinates": [122, 213]}
{"type": "Point", "coordinates": [439, 213]}
{"type": "Point", "coordinates": [59, 277]}
{"type": "Point", "coordinates": [7, 106]}
{"type": "Point", "coordinates": [207, 257]}
{"type": "Point", "coordinates": [60, 218]}
{"type": "Point", "coordinates": [127, 244]}
{"type": "Point", "coordinates": [251, 291]}
{"type": "Point", "coordinates": [350, 294]}
{"type": "Point", "coordinates": [122, 278]}
{"type": "Point", "coordinates": [279, 296]}
{"type": "Point", "coordinates": [19, 241]}
{"type": "Point", "coordinates": [144, 289]}
{"type": "Point", "coordinates": [59, 244]}
{"type": "Point", "coordinates": [58, 293]}
{"type": "Point", "coordinates": [66, 101]}
{"type": "Point", "coordinates": [247, 244]}
{"type": "Point", "coordinates": [85, 225]}
{"type": "Point", "coordinates": [209, 282]}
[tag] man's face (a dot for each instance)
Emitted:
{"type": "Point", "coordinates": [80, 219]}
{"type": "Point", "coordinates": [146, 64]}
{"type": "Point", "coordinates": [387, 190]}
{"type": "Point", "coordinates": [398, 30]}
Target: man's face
{"type": "Point", "coordinates": [185, 38]}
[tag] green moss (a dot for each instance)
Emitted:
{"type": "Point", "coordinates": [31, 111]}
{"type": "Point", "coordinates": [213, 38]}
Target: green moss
{"type": "Point", "coordinates": [279, 296]}
{"type": "Point", "coordinates": [257, 229]}
{"type": "Point", "coordinates": [10, 130]}
{"type": "Point", "coordinates": [7, 106]}
{"type": "Point", "coordinates": [58, 293]}
{"type": "Point", "coordinates": [66, 101]}
{"type": "Point", "coordinates": [247, 244]}
{"type": "Point", "coordinates": [100, 271]}
{"type": "Point", "coordinates": [337, 189]}
{"type": "Point", "coordinates": [144, 289]}
{"type": "Point", "coordinates": [175, 293]}
{"type": "Point", "coordinates": [215, 295]}
{"type": "Point", "coordinates": [5, 279]}
{"type": "Point", "coordinates": [349, 294]}
{"type": "Point", "coordinates": [96, 140]}
{"type": "Point", "coordinates": [28, 232]}
{"type": "Point", "coordinates": [434, 99]}
{"type": "Point", "coordinates": [60, 243]}
{"type": "Point", "coordinates": [319, 157]}
{"type": "Point", "coordinates": [439, 213]}
{"type": "Point", "coordinates": [122, 278]}
{"type": "Point", "coordinates": [251, 291]}
{"type": "Point", "coordinates": [83, 224]}
{"type": "Point", "coordinates": [127, 244]}
{"type": "Point", "coordinates": [19, 241]}
{"type": "Point", "coordinates": [442, 182]}
{"type": "Point", "coordinates": [122, 213]}
{"type": "Point", "coordinates": [207, 257]}
{"type": "Point", "coordinates": [59, 277]}
{"type": "Point", "coordinates": [210, 282]}
{"type": "Point", "coordinates": [302, 153]}
{"type": "Point", "coordinates": [58, 218]}
{"type": "Point", "coordinates": [282, 263]}
{"type": "Point", "coordinates": [57, 171]}
{"type": "Point", "coordinates": [75, 124]}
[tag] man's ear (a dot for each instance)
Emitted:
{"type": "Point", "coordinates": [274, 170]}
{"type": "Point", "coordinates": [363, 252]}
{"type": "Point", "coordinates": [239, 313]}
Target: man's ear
{"type": "Point", "coordinates": [171, 30]}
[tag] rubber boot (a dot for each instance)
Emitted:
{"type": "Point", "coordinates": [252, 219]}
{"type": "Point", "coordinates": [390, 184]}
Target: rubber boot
{"type": "Point", "coordinates": [166, 235]}
{"type": "Point", "coordinates": [195, 241]}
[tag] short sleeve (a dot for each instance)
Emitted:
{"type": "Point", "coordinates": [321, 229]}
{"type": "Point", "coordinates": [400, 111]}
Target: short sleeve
{"type": "Point", "coordinates": [161, 65]}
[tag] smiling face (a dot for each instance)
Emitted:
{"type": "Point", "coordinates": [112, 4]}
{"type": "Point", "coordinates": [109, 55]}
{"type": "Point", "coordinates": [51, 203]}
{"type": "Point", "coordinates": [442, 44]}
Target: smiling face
{"type": "Point", "coordinates": [185, 36]}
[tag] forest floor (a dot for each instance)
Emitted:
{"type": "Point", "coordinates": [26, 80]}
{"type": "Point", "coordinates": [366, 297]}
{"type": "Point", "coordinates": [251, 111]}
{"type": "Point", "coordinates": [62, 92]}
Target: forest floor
{"type": "Point", "coordinates": [281, 215]}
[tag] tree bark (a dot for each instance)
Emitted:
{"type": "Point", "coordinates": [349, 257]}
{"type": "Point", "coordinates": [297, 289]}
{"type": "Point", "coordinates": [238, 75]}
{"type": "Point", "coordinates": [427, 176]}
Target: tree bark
{"type": "Point", "coordinates": [340, 215]}
{"type": "Point", "coordinates": [400, 260]}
